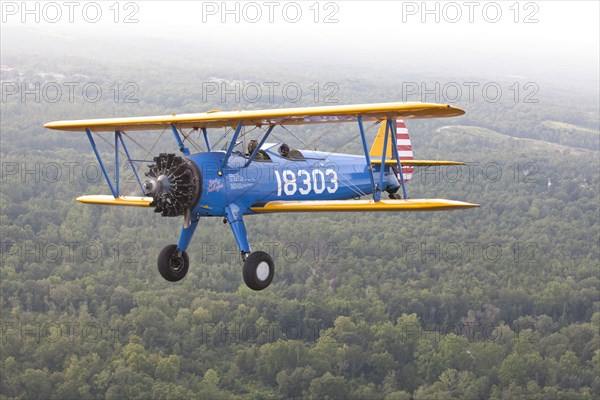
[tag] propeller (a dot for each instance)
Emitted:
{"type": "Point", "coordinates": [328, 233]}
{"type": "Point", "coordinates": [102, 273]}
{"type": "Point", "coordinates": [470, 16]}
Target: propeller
{"type": "Point", "coordinates": [175, 184]}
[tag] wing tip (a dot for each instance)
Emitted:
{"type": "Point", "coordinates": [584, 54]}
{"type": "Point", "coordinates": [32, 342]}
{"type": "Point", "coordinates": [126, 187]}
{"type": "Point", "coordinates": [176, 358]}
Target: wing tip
{"type": "Point", "coordinates": [456, 111]}
{"type": "Point", "coordinates": [57, 125]}
{"type": "Point", "coordinates": [110, 200]}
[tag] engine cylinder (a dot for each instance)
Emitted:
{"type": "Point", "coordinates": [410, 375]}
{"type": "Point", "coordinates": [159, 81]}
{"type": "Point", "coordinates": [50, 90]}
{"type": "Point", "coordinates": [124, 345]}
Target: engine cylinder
{"type": "Point", "coordinates": [175, 184]}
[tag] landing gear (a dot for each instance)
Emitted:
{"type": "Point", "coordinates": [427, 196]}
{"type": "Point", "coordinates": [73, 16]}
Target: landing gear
{"type": "Point", "coordinates": [394, 195]}
{"type": "Point", "coordinates": [258, 270]}
{"type": "Point", "coordinates": [173, 263]}
{"type": "Point", "coordinates": [258, 267]}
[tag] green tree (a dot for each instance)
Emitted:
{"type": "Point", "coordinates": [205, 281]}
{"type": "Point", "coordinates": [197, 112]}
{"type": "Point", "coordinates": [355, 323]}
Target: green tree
{"type": "Point", "coordinates": [295, 383]}
{"type": "Point", "coordinates": [328, 387]}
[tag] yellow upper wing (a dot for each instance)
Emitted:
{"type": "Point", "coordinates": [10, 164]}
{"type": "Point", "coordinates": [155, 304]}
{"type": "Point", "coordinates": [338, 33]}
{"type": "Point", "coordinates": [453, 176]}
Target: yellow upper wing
{"type": "Point", "coordinates": [283, 116]}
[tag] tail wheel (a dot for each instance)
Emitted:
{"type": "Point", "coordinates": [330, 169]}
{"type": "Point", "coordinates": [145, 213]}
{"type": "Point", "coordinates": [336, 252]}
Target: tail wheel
{"type": "Point", "coordinates": [173, 264]}
{"type": "Point", "coordinates": [258, 270]}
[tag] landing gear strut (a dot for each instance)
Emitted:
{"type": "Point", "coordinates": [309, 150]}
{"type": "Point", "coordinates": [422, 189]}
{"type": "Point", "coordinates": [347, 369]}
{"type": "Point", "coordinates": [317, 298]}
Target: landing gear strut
{"type": "Point", "coordinates": [258, 269]}
{"type": "Point", "coordinates": [173, 264]}
{"type": "Point", "coordinates": [175, 184]}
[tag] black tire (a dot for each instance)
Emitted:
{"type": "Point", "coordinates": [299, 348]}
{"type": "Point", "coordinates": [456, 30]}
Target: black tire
{"type": "Point", "coordinates": [172, 265]}
{"type": "Point", "coordinates": [256, 276]}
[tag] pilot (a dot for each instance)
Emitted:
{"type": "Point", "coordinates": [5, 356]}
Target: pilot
{"type": "Point", "coordinates": [251, 147]}
{"type": "Point", "coordinates": [284, 150]}
{"type": "Point", "coordinates": [295, 154]}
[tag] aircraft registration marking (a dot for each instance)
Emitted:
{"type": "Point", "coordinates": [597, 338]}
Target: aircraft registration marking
{"type": "Point", "coordinates": [305, 182]}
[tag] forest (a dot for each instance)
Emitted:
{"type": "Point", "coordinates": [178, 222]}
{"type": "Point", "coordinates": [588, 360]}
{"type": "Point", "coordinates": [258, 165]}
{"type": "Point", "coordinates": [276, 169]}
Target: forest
{"type": "Point", "coordinates": [497, 302]}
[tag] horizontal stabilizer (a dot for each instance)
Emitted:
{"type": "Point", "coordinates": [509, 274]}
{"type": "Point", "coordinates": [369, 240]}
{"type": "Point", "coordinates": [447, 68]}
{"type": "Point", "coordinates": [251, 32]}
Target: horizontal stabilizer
{"type": "Point", "coordinates": [418, 163]}
{"type": "Point", "coordinates": [109, 200]}
{"type": "Point", "coordinates": [361, 205]}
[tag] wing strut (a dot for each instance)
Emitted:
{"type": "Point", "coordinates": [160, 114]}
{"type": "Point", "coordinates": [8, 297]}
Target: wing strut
{"type": "Point", "coordinates": [382, 170]}
{"type": "Point", "coordinates": [115, 193]}
{"type": "Point", "coordinates": [205, 133]}
{"type": "Point", "coordinates": [182, 148]}
{"type": "Point", "coordinates": [391, 125]}
{"type": "Point", "coordinates": [262, 141]}
{"type": "Point", "coordinates": [118, 138]}
{"type": "Point", "coordinates": [390, 130]}
{"type": "Point", "coordinates": [376, 193]}
{"type": "Point", "coordinates": [232, 143]}
{"type": "Point", "coordinates": [137, 177]}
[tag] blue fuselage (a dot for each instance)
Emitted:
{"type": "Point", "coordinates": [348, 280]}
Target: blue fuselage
{"type": "Point", "coordinates": [315, 176]}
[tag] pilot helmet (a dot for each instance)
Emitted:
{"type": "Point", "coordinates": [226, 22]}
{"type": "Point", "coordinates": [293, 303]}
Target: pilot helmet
{"type": "Point", "coordinates": [284, 149]}
{"type": "Point", "coordinates": [252, 146]}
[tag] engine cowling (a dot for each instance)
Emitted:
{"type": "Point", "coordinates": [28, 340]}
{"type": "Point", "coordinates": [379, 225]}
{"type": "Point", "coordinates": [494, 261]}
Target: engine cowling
{"type": "Point", "coordinates": [174, 183]}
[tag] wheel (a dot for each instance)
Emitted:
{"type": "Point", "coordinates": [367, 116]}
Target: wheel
{"type": "Point", "coordinates": [258, 270]}
{"type": "Point", "coordinates": [172, 263]}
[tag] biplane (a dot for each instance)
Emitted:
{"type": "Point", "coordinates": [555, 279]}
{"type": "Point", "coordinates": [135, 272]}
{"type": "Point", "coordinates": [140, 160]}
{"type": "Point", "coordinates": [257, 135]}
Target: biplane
{"type": "Point", "coordinates": [264, 177]}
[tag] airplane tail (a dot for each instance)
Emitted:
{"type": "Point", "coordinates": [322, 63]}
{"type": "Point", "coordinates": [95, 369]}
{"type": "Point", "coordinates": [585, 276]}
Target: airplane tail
{"type": "Point", "coordinates": [402, 144]}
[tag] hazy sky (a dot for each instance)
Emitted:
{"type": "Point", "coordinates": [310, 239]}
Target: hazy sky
{"type": "Point", "coordinates": [509, 37]}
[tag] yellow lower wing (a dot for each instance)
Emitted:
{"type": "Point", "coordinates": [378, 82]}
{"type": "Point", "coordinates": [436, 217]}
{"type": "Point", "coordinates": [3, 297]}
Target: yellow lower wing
{"type": "Point", "coordinates": [306, 206]}
{"type": "Point", "coordinates": [109, 200]}
{"type": "Point", "coordinates": [362, 205]}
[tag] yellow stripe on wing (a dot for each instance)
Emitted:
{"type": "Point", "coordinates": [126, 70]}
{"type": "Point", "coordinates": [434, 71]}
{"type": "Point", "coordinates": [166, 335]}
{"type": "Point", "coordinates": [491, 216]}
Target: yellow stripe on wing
{"type": "Point", "coordinates": [417, 163]}
{"type": "Point", "coordinates": [362, 205]}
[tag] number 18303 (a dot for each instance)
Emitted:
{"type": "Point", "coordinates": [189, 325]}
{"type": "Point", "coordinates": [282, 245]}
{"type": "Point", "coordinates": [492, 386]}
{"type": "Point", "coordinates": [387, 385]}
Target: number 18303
{"type": "Point", "coordinates": [305, 182]}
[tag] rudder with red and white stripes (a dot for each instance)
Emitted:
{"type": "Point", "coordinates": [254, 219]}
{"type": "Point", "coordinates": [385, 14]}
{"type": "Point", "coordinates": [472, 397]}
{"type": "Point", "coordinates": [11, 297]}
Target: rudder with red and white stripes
{"type": "Point", "coordinates": [404, 148]}
{"type": "Point", "coordinates": [402, 144]}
